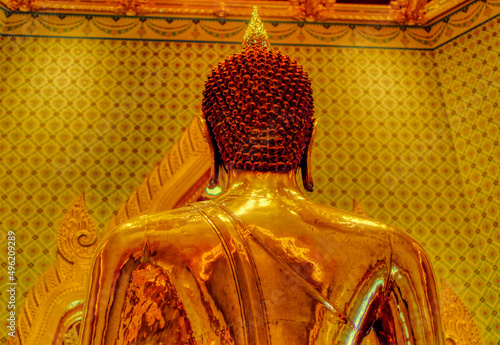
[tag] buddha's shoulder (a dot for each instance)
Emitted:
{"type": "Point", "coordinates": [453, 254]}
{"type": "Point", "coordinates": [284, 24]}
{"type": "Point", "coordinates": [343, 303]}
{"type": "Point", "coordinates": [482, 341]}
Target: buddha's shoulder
{"type": "Point", "coordinates": [337, 220]}
{"type": "Point", "coordinates": [180, 219]}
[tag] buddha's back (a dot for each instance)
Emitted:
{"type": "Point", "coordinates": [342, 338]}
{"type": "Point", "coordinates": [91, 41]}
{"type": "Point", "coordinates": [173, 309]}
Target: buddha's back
{"type": "Point", "coordinates": [278, 270]}
{"type": "Point", "coordinates": [306, 273]}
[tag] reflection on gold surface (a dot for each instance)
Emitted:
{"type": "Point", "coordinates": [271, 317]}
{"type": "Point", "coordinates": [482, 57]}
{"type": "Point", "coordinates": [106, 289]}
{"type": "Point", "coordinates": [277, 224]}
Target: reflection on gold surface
{"type": "Point", "coordinates": [461, 291]}
{"type": "Point", "coordinates": [208, 259]}
{"type": "Point", "coordinates": [152, 310]}
{"type": "Point", "coordinates": [274, 268]}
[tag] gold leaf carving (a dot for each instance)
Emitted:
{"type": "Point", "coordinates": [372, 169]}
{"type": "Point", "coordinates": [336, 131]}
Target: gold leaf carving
{"type": "Point", "coordinates": [20, 5]}
{"type": "Point", "coordinates": [152, 184]}
{"type": "Point", "coordinates": [77, 237]}
{"type": "Point", "coordinates": [131, 7]}
{"type": "Point", "coordinates": [133, 207]}
{"type": "Point", "coordinates": [458, 323]}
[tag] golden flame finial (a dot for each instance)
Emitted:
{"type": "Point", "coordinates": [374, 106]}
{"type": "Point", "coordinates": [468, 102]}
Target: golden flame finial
{"type": "Point", "coordinates": [256, 35]}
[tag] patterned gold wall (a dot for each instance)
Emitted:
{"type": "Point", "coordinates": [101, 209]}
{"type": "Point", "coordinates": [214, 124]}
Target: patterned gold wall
{"type": "Point", "coordinates": [470, 87]}
{"type": "Point", "coordinates": [412, 135]}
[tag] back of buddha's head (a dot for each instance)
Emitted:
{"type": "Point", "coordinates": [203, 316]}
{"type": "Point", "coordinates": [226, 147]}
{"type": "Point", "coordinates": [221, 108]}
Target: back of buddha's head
{"type": "Point", "coordinates": [258, 107]}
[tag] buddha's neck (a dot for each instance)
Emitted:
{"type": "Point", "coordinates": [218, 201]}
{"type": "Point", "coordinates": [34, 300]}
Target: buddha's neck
{"type": "Point", "coordinates": [262, 184]}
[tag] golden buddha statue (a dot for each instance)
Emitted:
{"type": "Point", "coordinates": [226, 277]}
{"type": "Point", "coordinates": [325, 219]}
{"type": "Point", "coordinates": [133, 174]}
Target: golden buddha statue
{"type": "Point", "coordinates": [259, 264]}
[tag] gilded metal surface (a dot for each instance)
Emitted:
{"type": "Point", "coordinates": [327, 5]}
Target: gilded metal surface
{"type": "Point", "coordinates": [68, 330]}
{"type": "Point", "coordinates": [39, 313]}
{"type": "Point", "coordinates": [255, 35]}
{"type": "Point", "coordinates": [305, 164]}
{"type": "Point", "coordinates": [261, 264]}
{"type": "Point", "coordinates": [152, 311]}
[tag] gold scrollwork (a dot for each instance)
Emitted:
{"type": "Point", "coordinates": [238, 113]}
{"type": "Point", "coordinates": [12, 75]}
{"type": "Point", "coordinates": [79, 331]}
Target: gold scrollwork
{"type": "Point", "coordinates": [132, 7]}
{"type": "Point", "coordinates": [20, 5]}
{"type": "Point", "coordinates": [458, 323]}
{"type": "Point", "coordinates": [77, 237]}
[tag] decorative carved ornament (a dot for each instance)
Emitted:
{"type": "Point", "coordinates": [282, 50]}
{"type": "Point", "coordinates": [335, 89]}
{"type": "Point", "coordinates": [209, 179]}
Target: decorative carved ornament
{"type": "Point", "coordinates": [458, 323]}
{"type": "Point", "coordinates": [54, 306]}
{"type": "Point", "coordinates": [404, 12]}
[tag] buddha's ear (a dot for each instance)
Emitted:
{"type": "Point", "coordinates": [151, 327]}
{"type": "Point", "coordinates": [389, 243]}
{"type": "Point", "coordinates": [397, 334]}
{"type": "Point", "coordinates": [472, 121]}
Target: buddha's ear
{"type": "Point", "coordinates": [305, 163]}
{"type": "Point", "coordinates": [215, 156]}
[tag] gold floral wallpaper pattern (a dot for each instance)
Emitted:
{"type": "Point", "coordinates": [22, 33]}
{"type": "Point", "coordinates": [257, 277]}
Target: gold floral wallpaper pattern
{"type": "Point", "coordinates": [411, 134]}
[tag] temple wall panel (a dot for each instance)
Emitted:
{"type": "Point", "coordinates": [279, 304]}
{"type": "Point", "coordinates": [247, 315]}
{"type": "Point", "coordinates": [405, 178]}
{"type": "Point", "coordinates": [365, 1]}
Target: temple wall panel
{"type": "Point", "coordinates": [412, 135]}
{"type": "Point", "coordinates": [468, 70]}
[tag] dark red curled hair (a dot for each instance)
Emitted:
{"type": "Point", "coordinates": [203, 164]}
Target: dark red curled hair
{"type": "Point", "coordinates": [258, 107]}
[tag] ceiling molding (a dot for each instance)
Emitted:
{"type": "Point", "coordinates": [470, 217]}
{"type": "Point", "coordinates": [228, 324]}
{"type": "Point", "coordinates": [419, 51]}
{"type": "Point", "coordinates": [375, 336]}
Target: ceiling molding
{"type": "Point", "coordinates": [402, 12]}
{"type": "Point", "coordinates": [230, 31]}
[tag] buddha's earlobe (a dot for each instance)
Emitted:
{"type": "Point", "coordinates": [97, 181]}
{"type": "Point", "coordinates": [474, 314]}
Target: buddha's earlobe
{"type": "Point", "coordinates": [215, 159]}
{"type": "Point", "coordinates": [305, 163]}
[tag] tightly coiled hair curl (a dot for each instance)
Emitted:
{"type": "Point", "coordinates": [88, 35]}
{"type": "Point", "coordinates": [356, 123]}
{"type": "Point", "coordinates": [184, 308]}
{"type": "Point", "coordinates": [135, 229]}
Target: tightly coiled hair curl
{"type": "Point", "coordinates": [258, 106]}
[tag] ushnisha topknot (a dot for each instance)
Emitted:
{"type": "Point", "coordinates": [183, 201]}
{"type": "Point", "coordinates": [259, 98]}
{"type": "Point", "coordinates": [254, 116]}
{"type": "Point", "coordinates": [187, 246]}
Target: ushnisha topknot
{"type": "Point", "coordinates": [255, 35]}
{"type": "Point", "coordinates": [258, 106]}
